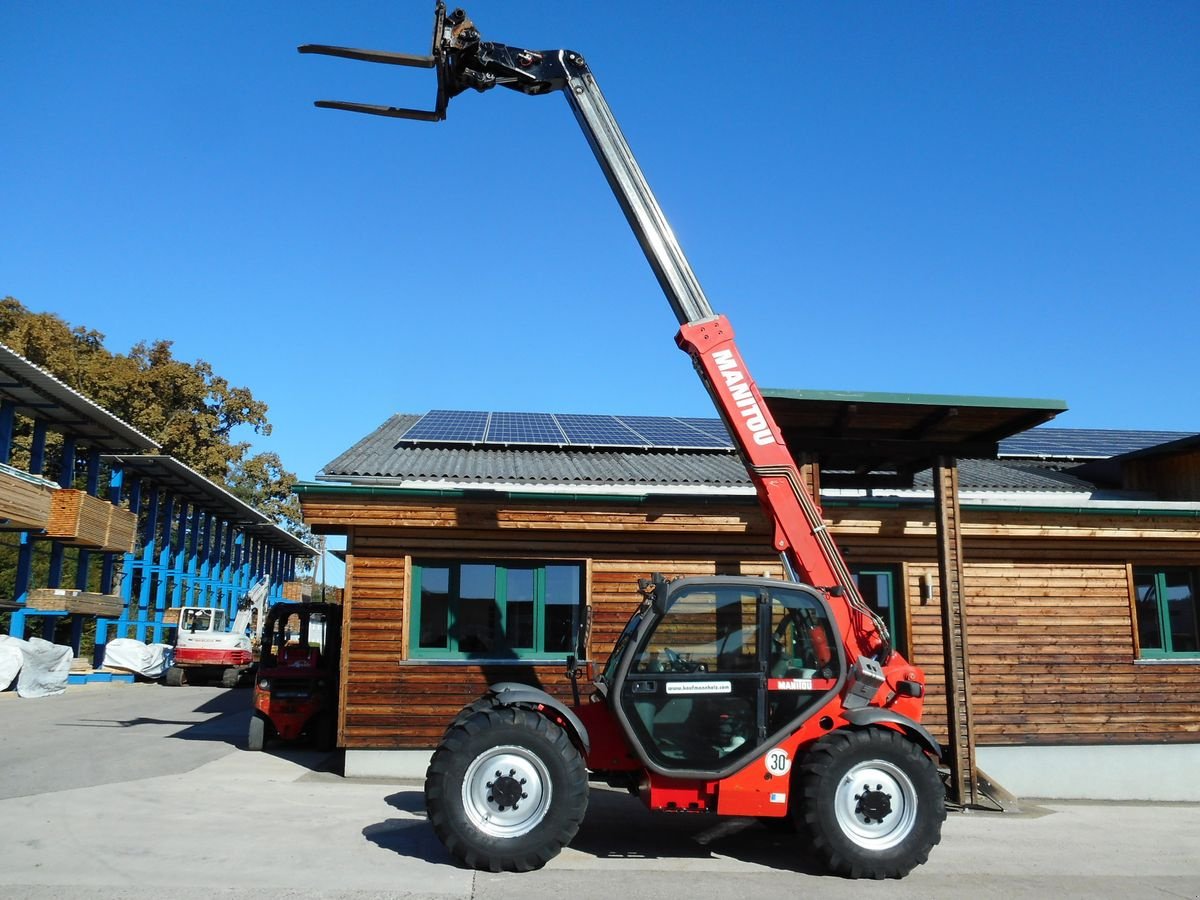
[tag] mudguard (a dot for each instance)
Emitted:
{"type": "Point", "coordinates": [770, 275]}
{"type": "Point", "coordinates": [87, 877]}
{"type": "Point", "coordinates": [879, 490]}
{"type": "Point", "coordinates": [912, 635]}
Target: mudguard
{"type": "Point", "coordinates": [510, 693]}
{"type": "Point", "coordinates": [873, 715]}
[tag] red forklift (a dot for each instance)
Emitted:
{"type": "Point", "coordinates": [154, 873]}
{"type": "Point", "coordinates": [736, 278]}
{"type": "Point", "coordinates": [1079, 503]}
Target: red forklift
{"type": "Point", "coordinates": [782, 700]}
{"type": "Point", "coordinates": [296, 691]}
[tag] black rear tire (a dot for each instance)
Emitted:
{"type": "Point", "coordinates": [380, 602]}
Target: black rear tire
{"type": "Point", "coordinates": [485, 702]}
{"type": "Point", "coordinates": [873, 803]}
{"type": "Point", "coordinates": [175, 677]}
{"type": "Point", "coordinates": [230, 677]}
{"type": "Point", "coordinates": [506, 790]}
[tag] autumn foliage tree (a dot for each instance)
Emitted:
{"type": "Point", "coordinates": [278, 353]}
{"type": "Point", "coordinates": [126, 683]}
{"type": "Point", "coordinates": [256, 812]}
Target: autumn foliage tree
{"type": "Point", "coordinates": [186, 407]}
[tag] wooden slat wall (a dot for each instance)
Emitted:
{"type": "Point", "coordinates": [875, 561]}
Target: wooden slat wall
{"type": "Point", "coordinates": [1172, 478]}
{"type": "Point", "coordinates": [1047, 602]}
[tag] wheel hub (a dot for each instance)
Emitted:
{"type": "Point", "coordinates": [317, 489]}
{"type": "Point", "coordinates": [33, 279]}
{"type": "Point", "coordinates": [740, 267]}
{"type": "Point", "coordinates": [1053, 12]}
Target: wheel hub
{"type": "Point", "coordinates": [873, 805]}
{"type": "Point", "coordinates": [876, 804]}
{"type": "Point", "coordinates": [507, 790]}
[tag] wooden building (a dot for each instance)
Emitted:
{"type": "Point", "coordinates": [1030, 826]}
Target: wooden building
{"type": "Point", "coordinates": [469, 562]}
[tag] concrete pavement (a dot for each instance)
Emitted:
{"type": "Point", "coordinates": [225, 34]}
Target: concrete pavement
{"type": "Point", "coordinates": [171, 807]}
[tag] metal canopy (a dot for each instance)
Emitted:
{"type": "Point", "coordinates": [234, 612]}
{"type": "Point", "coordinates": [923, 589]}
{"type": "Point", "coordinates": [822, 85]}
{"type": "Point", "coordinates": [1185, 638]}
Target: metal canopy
{"type": "Point", "coordinates": [35, 392]}
{"type": "Point", "coordinates": [882, 440]}
{"type": "Point", "coordinates": [184, 482]}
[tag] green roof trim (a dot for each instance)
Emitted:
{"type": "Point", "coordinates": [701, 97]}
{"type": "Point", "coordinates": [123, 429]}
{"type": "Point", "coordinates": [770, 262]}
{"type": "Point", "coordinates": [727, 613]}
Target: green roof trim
{"type": "Point", "coordinates": [310, 489]}
{"type": "Point", "coordinates": [916, 399]}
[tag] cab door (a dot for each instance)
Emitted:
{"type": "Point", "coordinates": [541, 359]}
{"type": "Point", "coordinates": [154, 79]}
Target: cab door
{"type": "Point", "coordinates": [730, 668]}
{"type": "Point", "coordinates": [694, 693]}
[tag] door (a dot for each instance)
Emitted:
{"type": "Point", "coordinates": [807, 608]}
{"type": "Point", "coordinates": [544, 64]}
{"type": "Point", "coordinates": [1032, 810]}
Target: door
{"type": "Point", "coordinates": [728, 669]}
{"type": "Point", "coordinates": [692, 693]}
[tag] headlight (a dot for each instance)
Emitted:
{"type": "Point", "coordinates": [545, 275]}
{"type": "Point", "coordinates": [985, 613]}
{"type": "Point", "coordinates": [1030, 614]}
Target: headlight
{"type": "Point", "coordinates": [265, 684]}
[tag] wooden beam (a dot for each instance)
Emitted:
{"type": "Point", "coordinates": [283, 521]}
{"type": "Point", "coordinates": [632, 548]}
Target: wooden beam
{"type": "Point", "coordinates": [964, 787]}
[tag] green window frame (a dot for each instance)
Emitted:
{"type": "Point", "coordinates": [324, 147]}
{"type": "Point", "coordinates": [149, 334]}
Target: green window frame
{"type": "Point", "coordinates": [495, 609]}
{"type": "Point", "coordinates": [1166, 601]}
{"type": "Point", "coordinates": [880, 586]}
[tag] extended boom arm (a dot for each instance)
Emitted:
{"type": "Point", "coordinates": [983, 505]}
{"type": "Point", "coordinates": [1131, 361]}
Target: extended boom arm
{"type": "Point", "coordinates": [464, 61]}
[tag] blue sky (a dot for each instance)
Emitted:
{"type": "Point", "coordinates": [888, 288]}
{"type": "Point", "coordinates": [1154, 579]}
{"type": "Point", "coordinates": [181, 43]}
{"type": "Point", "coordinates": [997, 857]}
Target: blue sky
{"type": "Point", "coordinates": [988, 199]}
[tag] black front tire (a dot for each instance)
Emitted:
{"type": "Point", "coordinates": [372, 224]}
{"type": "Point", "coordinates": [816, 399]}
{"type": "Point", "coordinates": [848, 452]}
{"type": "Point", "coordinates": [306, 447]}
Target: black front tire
{"type": "Point", "coordinates": [175, 677]}
{"type": "Point", "coordinates": [873, 803]}
{"type": "Point", "coordinates": [506, 790]}
{"type": "Point", "coordinates": [231, 677]}
{"type": "Point", "coordinates": [256, 739]}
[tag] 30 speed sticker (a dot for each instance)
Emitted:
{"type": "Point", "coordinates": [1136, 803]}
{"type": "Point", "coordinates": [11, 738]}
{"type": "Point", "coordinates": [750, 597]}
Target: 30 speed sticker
{"type": "Point", "coordinates": [778, 761]}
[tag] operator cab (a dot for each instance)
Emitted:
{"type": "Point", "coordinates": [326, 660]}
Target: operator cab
{"type": "Point", "coordinates": [205, 619]}
{"type": "Point", "coordinates": [719, 668]}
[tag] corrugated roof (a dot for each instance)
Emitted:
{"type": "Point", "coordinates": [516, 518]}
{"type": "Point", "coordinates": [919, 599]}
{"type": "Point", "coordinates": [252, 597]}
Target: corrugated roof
{"type": "Point", "coordinates": [379, 458]}
{"type": "Point", "coordinates": [1002, 475]}
{"type": "Point", "coordinates": [37, 393]}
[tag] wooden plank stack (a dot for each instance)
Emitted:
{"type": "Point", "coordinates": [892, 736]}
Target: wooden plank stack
{"type": "Point", "coordinates": [122, 530]}
{"type": "Point", "coordinates": [76, 602]}
{"type": "Point", "coordinates": [297, 591]}
{"type": "Point", "coordinates": [24, 499]}
{"type": "Point", "coordinates": [79, 519]}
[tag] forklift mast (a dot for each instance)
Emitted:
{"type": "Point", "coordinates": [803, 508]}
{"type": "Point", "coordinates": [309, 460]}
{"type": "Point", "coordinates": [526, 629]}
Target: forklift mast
{"type": "Point", "coordinates": [463, 60]}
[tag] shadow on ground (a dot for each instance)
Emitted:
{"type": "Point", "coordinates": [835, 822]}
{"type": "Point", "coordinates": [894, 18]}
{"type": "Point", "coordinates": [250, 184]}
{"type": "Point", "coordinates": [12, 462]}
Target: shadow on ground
{"type": "Point", "coordinates": [618, 826]}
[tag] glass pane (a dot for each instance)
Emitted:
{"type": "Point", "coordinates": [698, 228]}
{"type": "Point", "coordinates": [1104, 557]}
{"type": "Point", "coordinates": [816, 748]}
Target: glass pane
{"type": "Point", "coordinates": [476, 626]}
{"type": "Point", "coordinates": [705, 630]}
{"type": "Point", "coordinates": [477, 582]}
{"type": "Point", "coordinates": [562, 608]}
{"type": "Point", "coordinates": [802, 641]}
{"type": "Point", "coordinates": [435, 606]}
{"type": "Point", "coordinates": [562, 584]}
{"type": "Point", "coordinates": [1148, 623]}
{"type": "Point", "coordinates": [1181, 610]}
{"type": "Point", "coordinates": [518, 610]}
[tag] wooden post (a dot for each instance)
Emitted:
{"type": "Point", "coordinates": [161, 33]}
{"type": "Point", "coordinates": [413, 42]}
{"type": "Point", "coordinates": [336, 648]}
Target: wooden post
{"type": "Point", "coordinates": [961, 752]}
{"type": "Point", "coordinates": [810, 474]}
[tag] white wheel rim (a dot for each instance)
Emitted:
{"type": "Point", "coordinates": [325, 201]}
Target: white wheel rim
{"type": "Point", "coordinates": [876, 805]}
{"type": "Point", "coordinates": [506, 792]}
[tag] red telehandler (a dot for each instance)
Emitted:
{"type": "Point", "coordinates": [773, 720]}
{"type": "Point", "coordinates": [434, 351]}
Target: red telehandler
{"type": "Point", "coordinates": [732, 696]}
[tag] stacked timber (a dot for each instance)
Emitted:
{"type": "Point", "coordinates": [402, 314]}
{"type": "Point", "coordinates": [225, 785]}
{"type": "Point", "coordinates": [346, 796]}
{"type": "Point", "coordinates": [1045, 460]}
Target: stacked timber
{"type": "Point", "coordinates": [24, 499]}
{"type": "Point", "coordinates": [85, 603]}
{"type": "Point", "coordinates": [297, 591]}
{"type": "Point", "coordinates": [79, 519]}
{"type": "Point", "coordinates": [122, 530]}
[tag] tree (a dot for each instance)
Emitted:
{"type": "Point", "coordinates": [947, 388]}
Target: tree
{"type": "Point", "coordinates": [185, 407]}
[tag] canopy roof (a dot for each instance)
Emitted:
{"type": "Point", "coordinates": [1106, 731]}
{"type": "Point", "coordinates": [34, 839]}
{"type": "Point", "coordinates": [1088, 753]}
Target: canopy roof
{"type": "Point", "coordinates": [35, 392]}
{"type": "Point", "coordinates": [872, 439]}
{"type": "Point", "coordinates": [182, 481]}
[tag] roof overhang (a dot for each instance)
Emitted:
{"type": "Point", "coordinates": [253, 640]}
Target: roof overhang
{"type": "Point", "coordinates": [883, 440]}
{"type": "Point", "coordinates": [184, 482]}
{"type": "Point", "coordinates": [35, 392]}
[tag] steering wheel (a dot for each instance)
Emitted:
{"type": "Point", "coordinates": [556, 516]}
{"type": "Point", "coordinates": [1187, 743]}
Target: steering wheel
{"type": "Point", "coordinates": [678, 663]}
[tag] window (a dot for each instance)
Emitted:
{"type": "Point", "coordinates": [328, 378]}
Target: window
{"type": "Point", "coordinates": [880, 588]}
{"type": "Point", "coordinates": [1168, 620]}
{"type": "Point", "coordinates": [495, 610]}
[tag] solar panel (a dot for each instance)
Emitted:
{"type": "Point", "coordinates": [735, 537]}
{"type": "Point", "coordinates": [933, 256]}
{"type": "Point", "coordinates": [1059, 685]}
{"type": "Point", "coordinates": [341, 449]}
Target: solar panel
{"type": "Point", "coordinates": [597, 431]}
{"type": "Point", "coordinates": [566, 429]}
{"type": "Point", "coordinates": [712, 427]}
{"type": "Point", "coordinates": [661, 431]}
{"type": "Point", "coordinates": [450, 425]}
{"type": "Point", "coordinates": [523, 428]}
{"type": "Point", "coordinates": [1081, 443]}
